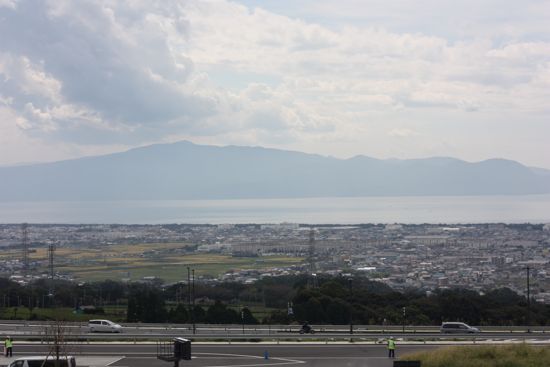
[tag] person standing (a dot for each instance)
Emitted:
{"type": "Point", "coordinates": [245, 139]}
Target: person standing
{"type": "Point", "coordinates": [391, 347]}
{"type": "Point", "coordinates": [8, 346]}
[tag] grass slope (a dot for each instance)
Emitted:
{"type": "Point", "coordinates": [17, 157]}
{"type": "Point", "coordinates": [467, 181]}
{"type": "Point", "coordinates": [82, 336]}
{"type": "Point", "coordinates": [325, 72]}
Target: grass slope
{"type": "Point", "coordinates": [516, 355]}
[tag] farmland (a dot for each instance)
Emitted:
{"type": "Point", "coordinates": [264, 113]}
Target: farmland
{"type": "Point", "coordinates": [167, 261]}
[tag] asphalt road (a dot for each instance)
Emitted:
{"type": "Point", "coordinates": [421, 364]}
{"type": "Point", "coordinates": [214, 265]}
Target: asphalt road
{"type": "Point", "coordinates": [24, 331]}
{"type": "Point", "coordinates": [242, 355]}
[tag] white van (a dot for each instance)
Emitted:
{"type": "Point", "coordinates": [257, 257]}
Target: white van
{"type": "Point", "coordinates": [49, 361]}
{"type": "Point", "coordinates": [104, 326]}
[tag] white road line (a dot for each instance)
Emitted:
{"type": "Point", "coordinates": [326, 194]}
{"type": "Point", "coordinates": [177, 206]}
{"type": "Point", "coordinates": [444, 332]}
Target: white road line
{"type": "Point", "coordinates": [121, 358]}
{"type": "Point", "coordinates": [283, 361]}
{"type": "Point", "coordinates": [286, 360]}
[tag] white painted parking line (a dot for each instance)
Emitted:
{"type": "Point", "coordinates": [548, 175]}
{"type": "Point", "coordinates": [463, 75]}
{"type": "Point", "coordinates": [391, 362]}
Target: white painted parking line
{"type": "Point", "coordinates": [114, 361]}
{"type": "Point", "coordinates": [272, 361]}
{"type": "Point", "coordinates": [278, 361]}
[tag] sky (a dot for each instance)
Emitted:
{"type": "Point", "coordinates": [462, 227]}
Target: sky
{"type": "Point", "coordinates": [384, 78]}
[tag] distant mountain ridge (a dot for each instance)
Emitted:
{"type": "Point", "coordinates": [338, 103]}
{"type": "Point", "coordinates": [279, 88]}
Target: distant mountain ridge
{"type": "Point", "coordinates": [185, 170]}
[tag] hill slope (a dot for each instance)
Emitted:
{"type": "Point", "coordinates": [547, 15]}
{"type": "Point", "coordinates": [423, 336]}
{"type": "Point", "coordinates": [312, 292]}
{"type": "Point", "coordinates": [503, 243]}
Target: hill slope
{"type": "Point", "coordinates": [187, 171]}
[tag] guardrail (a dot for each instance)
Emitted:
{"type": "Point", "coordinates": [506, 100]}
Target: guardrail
{"type": "Point", "coordinates": [424, 338]}
{"type": "Point", "coordinates": [268, 329]}
{"type": "Point", "coordinates": [230, 333]}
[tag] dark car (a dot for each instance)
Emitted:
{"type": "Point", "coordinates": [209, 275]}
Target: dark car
{"type": "Point", "coordinates": [457, 328]}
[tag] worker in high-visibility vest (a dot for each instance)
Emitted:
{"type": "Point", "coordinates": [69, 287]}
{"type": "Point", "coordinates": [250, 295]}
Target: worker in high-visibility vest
{"type": "Point", "coordinates": [391, 347]}
{"type": "Point", "coordinates": [8, 346]}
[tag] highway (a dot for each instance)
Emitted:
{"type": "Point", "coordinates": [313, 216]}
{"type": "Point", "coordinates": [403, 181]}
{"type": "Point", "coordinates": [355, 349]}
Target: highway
{"type": "Point", "coordinates": [143, 332]}
{"type": "Point", "coordinates": [222, 345]}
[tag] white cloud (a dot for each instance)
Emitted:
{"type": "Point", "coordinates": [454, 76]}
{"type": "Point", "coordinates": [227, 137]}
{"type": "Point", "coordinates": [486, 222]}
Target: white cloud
{"type": "Point", "coordinates": [8, 3]}
{"type": "Point", "coordinates": [339, 79]}
{"type": "Point", "coordinates": [402, 133]}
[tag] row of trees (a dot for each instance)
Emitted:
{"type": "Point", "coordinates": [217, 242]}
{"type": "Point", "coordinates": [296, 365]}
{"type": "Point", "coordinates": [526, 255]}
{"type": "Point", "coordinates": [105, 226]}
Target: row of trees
{"type": "Point", "coordinates": [147, 304]}
{"type": "Point", "coordinates": [334, 300]}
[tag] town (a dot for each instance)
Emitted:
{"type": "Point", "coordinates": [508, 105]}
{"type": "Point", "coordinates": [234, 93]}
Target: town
{"type": "Point", "coordinates": [426, 257]}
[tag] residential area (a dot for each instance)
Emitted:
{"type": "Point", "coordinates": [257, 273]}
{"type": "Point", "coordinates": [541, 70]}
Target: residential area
{"type": "Point", "coordinates": [479, 257]}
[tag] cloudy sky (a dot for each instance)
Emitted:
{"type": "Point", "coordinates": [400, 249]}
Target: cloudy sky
{"type": "Point", "coordinates": [384, 78]}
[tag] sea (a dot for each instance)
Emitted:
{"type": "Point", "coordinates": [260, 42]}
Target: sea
{"type": "Point", "coordinates": [340, 210]}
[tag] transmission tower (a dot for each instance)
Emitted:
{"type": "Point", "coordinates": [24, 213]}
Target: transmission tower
{"type": "Point", "coordinates": [51, 251]}
{"type": "Point", "coordinates": [25, 246]}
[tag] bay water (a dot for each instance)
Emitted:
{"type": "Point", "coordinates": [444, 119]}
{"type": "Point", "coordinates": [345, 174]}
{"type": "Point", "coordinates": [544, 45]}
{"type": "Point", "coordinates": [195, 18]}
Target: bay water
{"type": "Point", "coordinates": [349, 210]}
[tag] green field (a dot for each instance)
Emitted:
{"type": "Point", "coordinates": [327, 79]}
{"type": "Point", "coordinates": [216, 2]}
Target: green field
{"type": "Point", "coordinates": [167, 261]}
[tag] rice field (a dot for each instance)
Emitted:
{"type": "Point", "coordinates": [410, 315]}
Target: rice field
{"type": "Point", "coordinates": [168, 261]}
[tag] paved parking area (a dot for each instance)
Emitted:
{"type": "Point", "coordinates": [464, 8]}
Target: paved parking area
{"type": "Point", "coordinates": [234, 355]}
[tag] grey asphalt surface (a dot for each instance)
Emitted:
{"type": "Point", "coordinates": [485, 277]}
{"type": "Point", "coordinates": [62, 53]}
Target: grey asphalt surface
{"type": "Point", "coordinates": [240, 355]}
{"type": "Point", "coordinates": [147, 332]}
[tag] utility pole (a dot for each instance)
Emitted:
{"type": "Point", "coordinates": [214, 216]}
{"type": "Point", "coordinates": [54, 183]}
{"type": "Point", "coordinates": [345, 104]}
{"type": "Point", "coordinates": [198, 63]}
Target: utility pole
{"type": "Point", "coordinates": [242, 318]}
{"type": "Point", "coordinates": [51, 252]}
{"type": "Point", "coordinates": [528, 301]}
{"type": "Point", "coordinates": [193, 298]}
{"type": "Point", "coordinates": [25, 247]}
{"type": "Point", "coordinates": [350, 281]}
{"type": "Point", "coordinates": [404, 318]}
{"type": "Point", "coordinates": [190, 303]}
{"type": "Point", "coordinates": [189, 289]}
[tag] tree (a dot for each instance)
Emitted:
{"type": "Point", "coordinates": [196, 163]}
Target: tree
{"type": "Point", "coordinates": [199, 314]}
{"type": "Point", "coordinates": [338, 312]}
{"type": "Point", "coordinates": [146, 304]}
{"type": "Point", "coordinates": [277, 317]}
{"type": "Point", "coordinates": [179, 314]}
{"type": "Point", "coordinates": [311, 311]}
{"type": "Point", "coordinates": [247, 317]}
{"type": "Point", "coordinates": [334, 289]}
{"type": "Point", "coordinates": [218, 313]}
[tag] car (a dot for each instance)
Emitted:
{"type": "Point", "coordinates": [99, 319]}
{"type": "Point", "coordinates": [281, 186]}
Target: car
{"type": "Point", "coordinates": [49, 361]}
{"type": "Point", "coordinates": [457, 328]}
{"type": "Point", "coordinates": [104, 326]}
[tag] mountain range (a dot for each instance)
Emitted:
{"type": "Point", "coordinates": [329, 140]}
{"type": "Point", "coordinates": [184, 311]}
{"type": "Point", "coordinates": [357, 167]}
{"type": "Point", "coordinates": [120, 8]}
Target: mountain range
{"type": "Point", "coordinates": [184, 170]}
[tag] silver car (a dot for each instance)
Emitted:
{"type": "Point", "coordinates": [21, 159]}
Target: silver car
{"type": "Point", "coordinates": [457, 328]}
{"type": "Point", "coordinates": [104, 326]}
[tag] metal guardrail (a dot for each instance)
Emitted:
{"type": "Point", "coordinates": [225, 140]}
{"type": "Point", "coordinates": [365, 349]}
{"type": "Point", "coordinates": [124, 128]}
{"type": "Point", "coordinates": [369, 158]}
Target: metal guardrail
{"type": "Point", "coordinates": [263, 328]}
{"type": "Point", "coordinates": [425, 337]}
{"type": "Point", "coordinates": [277, 339]}
{"type": "Point", "coordinates": [138, 332]}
